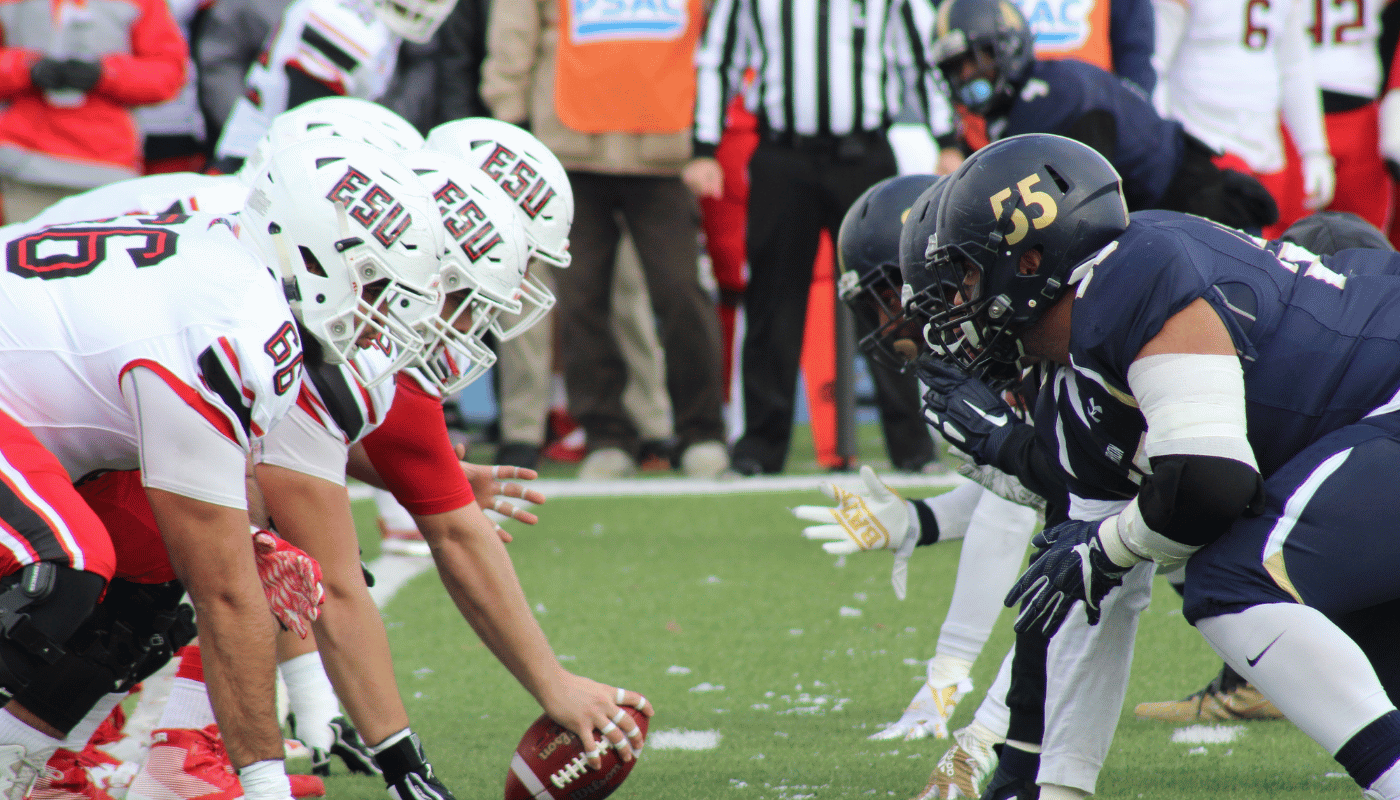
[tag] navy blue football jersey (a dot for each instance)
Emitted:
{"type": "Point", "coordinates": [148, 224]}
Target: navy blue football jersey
{"type": "Point", "coordinates": [1319, 338]}
{"type": "Point", "coordinates": [1147, 149]}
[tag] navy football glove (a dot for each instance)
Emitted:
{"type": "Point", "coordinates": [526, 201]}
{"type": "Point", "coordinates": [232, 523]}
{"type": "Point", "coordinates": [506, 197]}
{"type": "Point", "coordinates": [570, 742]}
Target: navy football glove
{"type": "Point", "coordinates": [971, 416]}
{"type": "Point", "coordinates": [1070, 567]}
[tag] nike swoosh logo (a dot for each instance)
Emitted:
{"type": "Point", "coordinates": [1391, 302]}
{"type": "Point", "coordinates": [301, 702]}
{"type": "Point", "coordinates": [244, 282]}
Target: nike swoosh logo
{"type": "Point", "coordinates": [999, 420]}
{"type": "Point", "coordinates": [1255, 660]}
{"type": "Point", "coordinates": [1083, 550]}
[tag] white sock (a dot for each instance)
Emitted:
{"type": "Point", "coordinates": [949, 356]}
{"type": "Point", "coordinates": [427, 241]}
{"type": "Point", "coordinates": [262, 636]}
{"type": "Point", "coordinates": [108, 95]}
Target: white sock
{"type": "Point", "coordinates": [953, 510]}
{"type": "Point", "coordinates": [984, 735]}
{"type": "Point", "coordinates": [945, 670]}
{"type": "Point", "coordinates": [997, 535]}
{"type": "Point", "coordinates": [312, 699]}
{"type": "Point", "coordinates": [1314, 673]}
{"type": "Point", "coordinates": [78, 737]}
{"type": "Point", "coordinates": [1051, 791]}
{"type": "Point", "coordinates": [1387, 786]}
{"type": "Point", "coordinates": [15, 731]}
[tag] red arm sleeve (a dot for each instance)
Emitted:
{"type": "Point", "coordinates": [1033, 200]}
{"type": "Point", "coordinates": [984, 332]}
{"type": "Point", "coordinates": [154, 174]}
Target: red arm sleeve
{"type": "Point", "coordinates": [14, 70]}
{"type": "Point", "coordinates": [154, 71]}
{"type": "Point", "coordinates": [412, 453]}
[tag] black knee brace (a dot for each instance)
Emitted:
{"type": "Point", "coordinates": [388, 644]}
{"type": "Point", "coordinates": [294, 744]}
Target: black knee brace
{"type": "Point", "coordinates": [132, 633]}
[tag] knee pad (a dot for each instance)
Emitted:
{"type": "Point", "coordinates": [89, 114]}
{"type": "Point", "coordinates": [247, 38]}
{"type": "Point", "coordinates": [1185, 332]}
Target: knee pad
{"type": "Point", "coordinates": [134, 631]}
{"type": "Point", "coordinates": [41, 607]}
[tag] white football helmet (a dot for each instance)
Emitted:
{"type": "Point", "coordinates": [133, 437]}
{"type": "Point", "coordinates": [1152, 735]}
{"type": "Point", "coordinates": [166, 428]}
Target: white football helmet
{"type": "Point", "coordinates": [356, 240]}
{"type": "Point", "coordinates": [484, 263]}
{"type": "Point", "coordinates": [414, 20]}
{"type": "Point", "coordinates": [313, 121]}
{"type": "Point", "coordinates": [399, 130]}
{"type": "Point", "coordinates": [535, 181]}
{"type": "Point", "coordinates": [527, 171]}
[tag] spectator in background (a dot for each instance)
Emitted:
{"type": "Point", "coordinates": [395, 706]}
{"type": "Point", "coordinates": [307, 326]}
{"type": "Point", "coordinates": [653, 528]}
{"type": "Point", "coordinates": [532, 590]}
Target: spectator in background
{"type": "Point", "coordinates": [175, 131]}
{"type": "Point", "coordinates": [71, 73]}
{"type": "Point", "coordinates": [822, 143]}
{"type": "Point", "coordinates": [617, 165]}
{"type": "Point", "coordinates": [461, 49]}
{"type": "Point", "coordinates": [1229, 71]}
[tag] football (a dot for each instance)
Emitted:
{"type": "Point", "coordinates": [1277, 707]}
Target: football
{"type": "Point", "coordinates": [549, 764]}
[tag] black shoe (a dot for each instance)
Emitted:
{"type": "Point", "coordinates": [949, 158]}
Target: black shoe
{"type": "Point", "coordinates": [518, 454]}
{"type": "Point", "coordinates": [407, 773]}
{"type": "Point", "coordinates": [746, 466]}
{"type": "Point", "coordinates": [351, 749]}
{"type": "Point", "coordinates": [657, 455]}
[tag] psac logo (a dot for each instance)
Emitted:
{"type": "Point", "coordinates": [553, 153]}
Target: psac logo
{"type": "Point", "coordinates": [602, 20]}
{"type": "Point", "coordinates": [465, 220]}
{"type": "Point", "coordinates": [520, 180]}
{"type": "Point", "coordinates": [1059, 25]}
{"type": "Point", "coordinates": [371, 205]}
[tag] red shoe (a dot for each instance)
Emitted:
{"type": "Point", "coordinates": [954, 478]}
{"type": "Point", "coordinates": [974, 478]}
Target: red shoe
{"type": "Point", "coordinates": [186, 764]}
{"type": "Point", "coordinates": [66, 777]}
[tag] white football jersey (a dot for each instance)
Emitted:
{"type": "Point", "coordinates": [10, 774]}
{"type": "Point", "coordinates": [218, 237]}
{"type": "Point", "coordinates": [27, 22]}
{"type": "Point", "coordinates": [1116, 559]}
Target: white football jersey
{"type": "Point", "coordinates": [342, 44]}
{"type": "Point", "coordinates": [169, 192]}
{"type": "Point", "coordinates": [82, 304]}
{"type": "Point", "coordinates": [1346, 54]}
{"type": "Point", "coordinates": [1223, 84]}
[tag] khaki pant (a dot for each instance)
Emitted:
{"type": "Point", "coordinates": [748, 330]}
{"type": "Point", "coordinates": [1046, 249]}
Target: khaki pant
{"type": "Point", "coordinates": [24, 201]}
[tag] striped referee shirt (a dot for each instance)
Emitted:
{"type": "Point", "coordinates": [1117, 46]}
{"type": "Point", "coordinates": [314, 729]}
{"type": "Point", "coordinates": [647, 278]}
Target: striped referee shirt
{"type": "Point", "coordinates": [824, 67]}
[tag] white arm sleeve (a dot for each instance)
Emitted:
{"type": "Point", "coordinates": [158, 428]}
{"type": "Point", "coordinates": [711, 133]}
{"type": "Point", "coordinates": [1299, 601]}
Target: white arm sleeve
{"type": "Point", "coordinates": [1169, 19]}
{"type": "Point", "coordinates": [1299, 96]}
{"type": "Point", "coordinates": [301, 444]}
{"type": "Point", "coordinates": [181, 451]}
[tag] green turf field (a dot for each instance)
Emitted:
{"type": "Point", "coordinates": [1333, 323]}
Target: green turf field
{"type": "Point", "coordinates": [802, 659]}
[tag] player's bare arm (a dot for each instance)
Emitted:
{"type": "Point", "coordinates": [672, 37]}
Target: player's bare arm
{"type": "Point", "coordinates": [314, 514]}
{"type": "Point", "coordinates": [478, 575]}
{"type": "Point", "coordinates": [212, 554]}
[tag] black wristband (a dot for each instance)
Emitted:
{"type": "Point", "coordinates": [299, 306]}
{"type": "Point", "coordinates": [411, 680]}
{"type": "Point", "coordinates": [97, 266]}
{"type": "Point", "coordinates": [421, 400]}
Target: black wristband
{"type": "Point", "coordinates": [928, 523]}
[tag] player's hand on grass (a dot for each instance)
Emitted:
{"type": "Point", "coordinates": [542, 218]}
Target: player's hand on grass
{"type": "Point", "coordinates": [1071, 566]}
{"type": "Point", "coordinates": [583, 705]}
{"type": "Point", "coordinates": [291, 580]}
{"type": "Point", "coordinates": [928, 713]}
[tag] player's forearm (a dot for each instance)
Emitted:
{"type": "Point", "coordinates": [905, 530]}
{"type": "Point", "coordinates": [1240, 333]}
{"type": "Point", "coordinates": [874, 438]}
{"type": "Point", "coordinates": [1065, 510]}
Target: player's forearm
{"type": "Point", "coordinates": [212, 554]}
{"type": "Point", "coordinates": [477, 572]}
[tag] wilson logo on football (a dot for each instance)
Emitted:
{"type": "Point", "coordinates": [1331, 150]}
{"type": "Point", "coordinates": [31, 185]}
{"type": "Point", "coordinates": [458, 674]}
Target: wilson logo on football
{"type": "Point", "coordinates": [520, 180]}
{"type": "Point", "coordinates": [371, 205]}
{"type": "Point", "coordinates": [467, 223]}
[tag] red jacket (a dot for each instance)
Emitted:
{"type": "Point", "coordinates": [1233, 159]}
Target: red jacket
{"type": "Point", "coordinates": [143, 57]}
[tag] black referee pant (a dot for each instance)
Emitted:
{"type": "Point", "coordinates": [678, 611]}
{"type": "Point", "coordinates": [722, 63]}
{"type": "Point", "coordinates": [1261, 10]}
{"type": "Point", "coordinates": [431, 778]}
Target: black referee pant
{"type": "Point", "coordinates": [796, 189]}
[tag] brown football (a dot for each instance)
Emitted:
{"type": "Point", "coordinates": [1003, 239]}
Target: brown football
{"type": "Point", "coordinates": [548, 764]}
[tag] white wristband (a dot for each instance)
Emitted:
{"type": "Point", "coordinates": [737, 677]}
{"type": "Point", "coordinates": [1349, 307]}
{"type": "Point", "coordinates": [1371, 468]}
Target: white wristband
{"type": "Point", "coordinates": [265, 780]}
{"type": "Point", "coordinates": [1127, 540]}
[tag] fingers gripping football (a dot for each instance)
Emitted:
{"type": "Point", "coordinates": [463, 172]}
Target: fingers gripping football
{"type": "Point", "coordinates": [873, 519]}
{"type": "Point", "coordinates": [291, 579]}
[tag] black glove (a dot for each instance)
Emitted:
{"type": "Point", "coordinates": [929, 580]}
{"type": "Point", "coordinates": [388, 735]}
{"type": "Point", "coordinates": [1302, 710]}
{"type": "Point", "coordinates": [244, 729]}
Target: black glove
{"type": "Point", "coordinates": [971, 416]}
{"type": "Point", "coordinates": [1072, 567]}
{"type": "Point", "coordinates": [81, 75]}
{"type": "Point", "coordinates": [48, 73]}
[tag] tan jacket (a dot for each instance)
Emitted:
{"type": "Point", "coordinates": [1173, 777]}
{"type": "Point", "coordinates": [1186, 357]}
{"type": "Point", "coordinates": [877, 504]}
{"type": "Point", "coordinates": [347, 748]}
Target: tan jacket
{"type": "Point", "coordinates": [517, 83]}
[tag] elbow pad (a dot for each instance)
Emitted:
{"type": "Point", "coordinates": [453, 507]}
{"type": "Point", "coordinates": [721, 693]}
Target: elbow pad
{"type": "Point", "coordinates": [1193, 499]}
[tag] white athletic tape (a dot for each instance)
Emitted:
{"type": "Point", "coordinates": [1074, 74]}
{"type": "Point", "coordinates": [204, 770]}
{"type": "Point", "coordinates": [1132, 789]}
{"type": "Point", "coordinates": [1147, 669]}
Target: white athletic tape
{"type": "Point", "coordinates": [619, 717]}
{"type": "Point", "coordinates": [641, 703]}
{"type": "Point", "coordinates": [621, 695]}
{"type": "Point", "coordinates": [594, 753]}
{"type": "Point", "coordinates": [632, 733]}
{"type": "Point", "coordinates": [496, 472]}
{"type": "Point", "coordinates": [608, 728]}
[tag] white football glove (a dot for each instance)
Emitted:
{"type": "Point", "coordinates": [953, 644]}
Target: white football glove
{"type": "Point", "coordinates": [872, 520]}
{"type": "Point", "coordinates": [1319, 180]}
{"type": "Point", "coordinates": [928, 713]}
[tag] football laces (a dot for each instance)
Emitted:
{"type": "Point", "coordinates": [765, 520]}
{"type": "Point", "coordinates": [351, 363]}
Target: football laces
{"type": "Point", "coordinates": [570, 771]}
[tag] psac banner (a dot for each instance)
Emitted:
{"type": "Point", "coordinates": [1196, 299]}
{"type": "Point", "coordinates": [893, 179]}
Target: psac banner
{"type": "Point", "coordinates": [627, 65]}
{"type": "Point", "coordinates": [1070, 29]}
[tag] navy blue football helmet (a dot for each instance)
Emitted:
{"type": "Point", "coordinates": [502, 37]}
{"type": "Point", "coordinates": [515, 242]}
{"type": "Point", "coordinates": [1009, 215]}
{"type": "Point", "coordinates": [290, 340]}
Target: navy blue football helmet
{"type": "Point", "coordinates": [994, 37]}
{"type": "Point", "coordinates": [867, 250]}
{"type": "Point", "coordinates": [1036, 192]}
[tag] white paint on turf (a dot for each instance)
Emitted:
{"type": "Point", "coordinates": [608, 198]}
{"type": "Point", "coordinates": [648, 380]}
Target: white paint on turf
{"type": "Point", "coordinates": [677, 739]}
{"type": "Point", "coordinates": [1207, 734]}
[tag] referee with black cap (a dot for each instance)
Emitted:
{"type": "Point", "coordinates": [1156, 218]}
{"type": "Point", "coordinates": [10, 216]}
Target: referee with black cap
{"type": "Point", "coordinates": [830, 77]}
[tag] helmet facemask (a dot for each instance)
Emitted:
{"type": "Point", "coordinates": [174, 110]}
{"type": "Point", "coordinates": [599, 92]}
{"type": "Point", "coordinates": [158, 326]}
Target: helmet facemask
{"type": "Point", "coordinates": [875, 298]}
{"type": "Point", "coordinates": [535, 301]}
{"type": "Point", "coordinates": [457, 353]}
{"type": "Point", "coordinates": [415, 20]}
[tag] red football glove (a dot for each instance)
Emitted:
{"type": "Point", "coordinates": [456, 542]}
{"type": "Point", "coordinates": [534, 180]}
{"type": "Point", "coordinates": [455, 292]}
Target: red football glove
{"type": "Point", "coordinates": [291, 579]}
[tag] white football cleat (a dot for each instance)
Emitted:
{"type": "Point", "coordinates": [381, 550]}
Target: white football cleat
{"type": "Point", "coordinates": [928, 713]}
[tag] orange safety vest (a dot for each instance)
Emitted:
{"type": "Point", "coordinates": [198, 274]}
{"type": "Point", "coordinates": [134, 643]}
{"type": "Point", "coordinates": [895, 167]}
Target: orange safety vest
{"type": "Point", "coordinates": [627, 65]}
